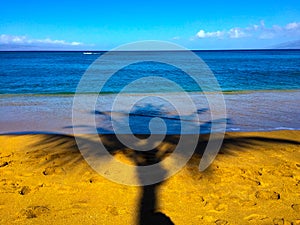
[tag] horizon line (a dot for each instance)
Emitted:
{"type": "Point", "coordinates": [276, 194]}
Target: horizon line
{"type": "Point", "coordinates": [194, 50]}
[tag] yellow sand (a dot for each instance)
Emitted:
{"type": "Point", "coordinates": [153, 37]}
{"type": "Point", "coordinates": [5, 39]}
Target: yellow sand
{"type": "Point", "coordinates": [254, 180]}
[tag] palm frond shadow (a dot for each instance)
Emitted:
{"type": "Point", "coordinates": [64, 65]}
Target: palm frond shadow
{"type": "Point", "coordinates": [63, 150]}
{"type": "Point", "coordinates": [64, 147]}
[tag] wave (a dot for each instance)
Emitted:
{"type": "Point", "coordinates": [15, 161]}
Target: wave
{"type": "Point", "coordinates": [235, 92]}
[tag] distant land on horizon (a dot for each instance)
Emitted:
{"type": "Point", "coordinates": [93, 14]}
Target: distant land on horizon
{"type": "Point", "coordinates": [290, 45]}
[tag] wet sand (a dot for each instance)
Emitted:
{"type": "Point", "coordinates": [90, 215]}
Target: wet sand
{"type": "Point", "coordinates": [255, 179]}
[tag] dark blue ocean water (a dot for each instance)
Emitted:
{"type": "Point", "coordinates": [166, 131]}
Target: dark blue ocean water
{"type": "Point", "coordinates": [60, 72]}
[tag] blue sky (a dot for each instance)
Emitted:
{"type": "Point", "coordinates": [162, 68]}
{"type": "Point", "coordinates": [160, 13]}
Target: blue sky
{"type": "Point", "coordinates": [102, 25]}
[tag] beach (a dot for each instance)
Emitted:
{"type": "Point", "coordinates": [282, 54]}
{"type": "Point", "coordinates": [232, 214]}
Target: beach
{"type": "Point", "coordinates": [150, 113]}
{"type": "Point", "coordinates": [255, 179]}
{"type": "Point", "coordinates": [49, 131]}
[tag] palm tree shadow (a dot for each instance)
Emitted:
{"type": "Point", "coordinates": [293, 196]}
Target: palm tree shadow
{"type": "Point", "coordinates": [147, 206]}
{"type": "Point", "coordinates": [148, 213]}
{"type": "Point", "coordinates": [139, 118]}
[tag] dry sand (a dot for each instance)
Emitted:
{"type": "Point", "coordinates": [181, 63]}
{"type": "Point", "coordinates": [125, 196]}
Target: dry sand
{"type": "Point", "coordinates": [255, 179]}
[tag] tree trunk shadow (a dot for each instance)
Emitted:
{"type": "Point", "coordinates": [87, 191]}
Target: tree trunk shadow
{"type": "Point", "coordinates": [148, 214]}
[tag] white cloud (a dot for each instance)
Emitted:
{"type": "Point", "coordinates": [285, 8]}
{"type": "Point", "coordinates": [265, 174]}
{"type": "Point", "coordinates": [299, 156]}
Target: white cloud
{"type": "Point", "coordinates": [232, 33]}
{"type": "Point", "coordinates": [8, 39]}
{"type": "Point", "coordinates": [259, 31]}
{"type": "Point", "coordinates": [237, 33]}
{"type": "Point", "coordinates": [292, 26]}
{"type": "Point", "coordinates": [18, 40]}
{"type": "Point", "coordinates": [203, 34]}
{"type": "Point", "coordinates": [75, 43]}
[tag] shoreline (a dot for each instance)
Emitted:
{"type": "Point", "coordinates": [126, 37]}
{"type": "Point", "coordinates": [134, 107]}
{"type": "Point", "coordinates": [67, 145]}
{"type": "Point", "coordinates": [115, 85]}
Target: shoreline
{"type": "Point", "coordinates": [255, 179]}
{"type": "Point", "coordinates": [3, 95]}
{"type": "Point", "coordinates": [40, 132]}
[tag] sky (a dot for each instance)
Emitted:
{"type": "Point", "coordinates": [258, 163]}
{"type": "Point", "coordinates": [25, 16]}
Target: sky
{"type": "Point", "coordinates": [103, 25]}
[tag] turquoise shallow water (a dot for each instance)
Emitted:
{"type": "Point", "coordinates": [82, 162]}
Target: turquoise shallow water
{"type": "Point", "coordinates": [253, 111]}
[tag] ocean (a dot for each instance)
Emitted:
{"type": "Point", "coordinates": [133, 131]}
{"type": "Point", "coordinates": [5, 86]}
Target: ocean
{"type": "Point", "coordinates": [60, 72]}
{"type": "Point", "coordinates": [261, 90]}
